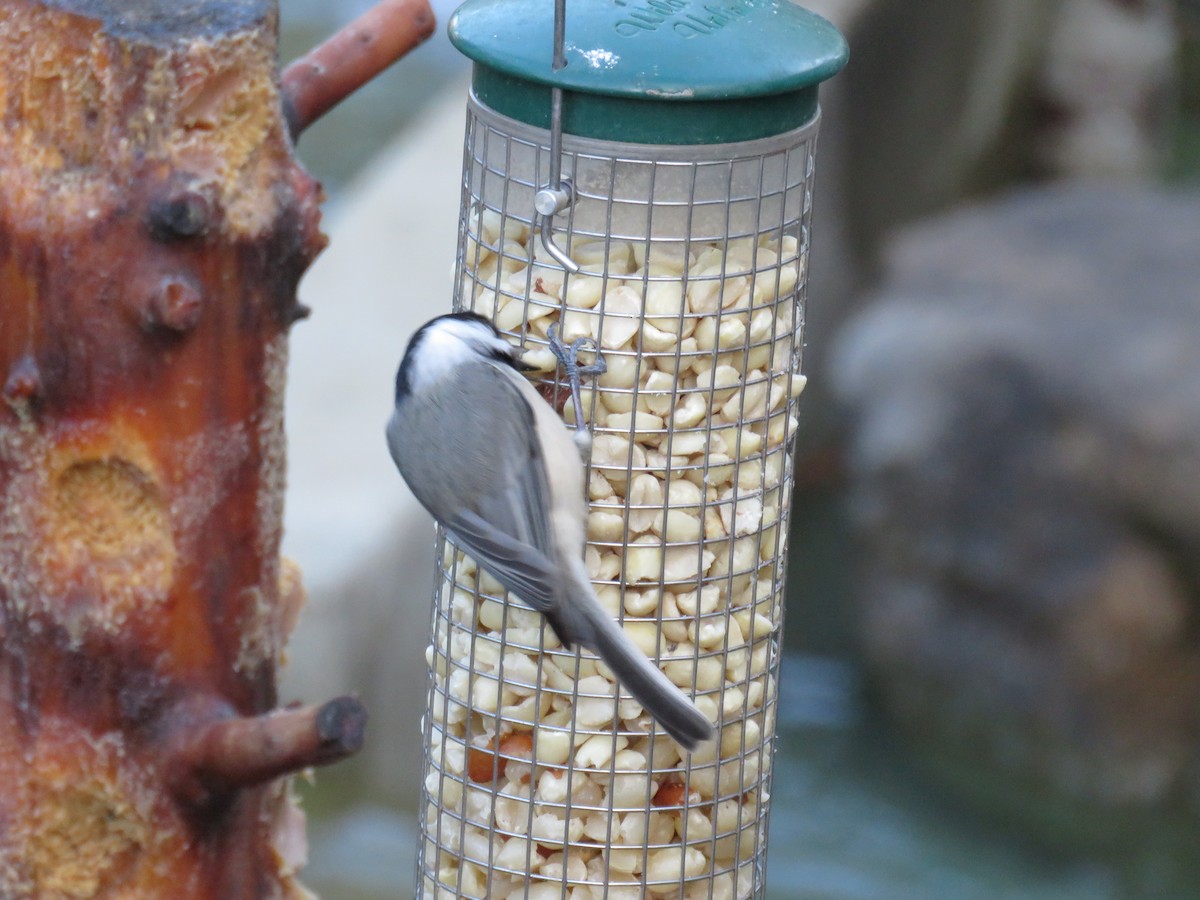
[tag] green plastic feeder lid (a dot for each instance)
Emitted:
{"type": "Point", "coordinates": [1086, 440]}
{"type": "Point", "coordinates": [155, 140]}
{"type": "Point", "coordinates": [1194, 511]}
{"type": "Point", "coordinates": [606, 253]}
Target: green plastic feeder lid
{"type": "Point", "coordinates": [652, 71]}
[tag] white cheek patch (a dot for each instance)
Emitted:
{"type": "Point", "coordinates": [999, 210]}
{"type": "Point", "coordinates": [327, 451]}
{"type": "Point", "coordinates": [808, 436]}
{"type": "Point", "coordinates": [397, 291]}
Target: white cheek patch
{"type": "Point", "coordinates": [439, 353]}
{"type": "Point", "coordinates": [449, 344]}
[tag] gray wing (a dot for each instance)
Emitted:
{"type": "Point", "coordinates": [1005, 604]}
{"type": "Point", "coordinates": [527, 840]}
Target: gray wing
{"type": "Point", "coordinates": [470, 454]}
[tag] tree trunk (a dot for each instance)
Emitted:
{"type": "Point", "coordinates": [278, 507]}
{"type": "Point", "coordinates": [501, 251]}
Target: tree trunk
{"type": "Point", "coordinates": [153, 228]}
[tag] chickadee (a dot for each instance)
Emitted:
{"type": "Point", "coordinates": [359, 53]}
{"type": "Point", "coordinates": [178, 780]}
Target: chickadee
{"type": "Point", "coordinates": [493, 463]}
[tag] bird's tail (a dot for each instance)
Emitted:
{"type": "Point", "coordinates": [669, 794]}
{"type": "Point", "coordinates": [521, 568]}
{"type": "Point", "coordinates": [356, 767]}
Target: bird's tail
{"type": "Point", "coordinates": [591, 626]}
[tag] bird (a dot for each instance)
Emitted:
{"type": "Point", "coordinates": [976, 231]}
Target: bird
{"type": "Point", "coordinates": [493, 463]}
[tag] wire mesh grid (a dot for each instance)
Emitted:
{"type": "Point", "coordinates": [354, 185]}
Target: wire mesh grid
{"type": "Point", "coordinates": [542, 779]}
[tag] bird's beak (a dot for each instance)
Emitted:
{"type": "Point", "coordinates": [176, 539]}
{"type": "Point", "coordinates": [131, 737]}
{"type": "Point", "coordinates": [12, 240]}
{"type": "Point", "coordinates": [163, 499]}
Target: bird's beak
{"type": "Point", "coordinates": [537, 361]}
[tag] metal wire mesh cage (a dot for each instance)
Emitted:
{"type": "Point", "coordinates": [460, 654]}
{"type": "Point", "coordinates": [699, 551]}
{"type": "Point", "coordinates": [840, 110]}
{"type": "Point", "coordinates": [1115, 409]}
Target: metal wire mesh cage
{"type": "Point", "coordinates": [542, 779]}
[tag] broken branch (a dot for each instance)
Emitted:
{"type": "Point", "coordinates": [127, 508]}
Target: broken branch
{"type": "Point", "coordinates": [326, 75]}
{"type": "Point", "coordinates": [242, 752]}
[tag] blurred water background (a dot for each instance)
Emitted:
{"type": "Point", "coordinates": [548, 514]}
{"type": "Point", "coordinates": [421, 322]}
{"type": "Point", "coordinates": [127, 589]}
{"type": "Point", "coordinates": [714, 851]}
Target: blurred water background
{"type": "Point", "coordinates": [860, 810]}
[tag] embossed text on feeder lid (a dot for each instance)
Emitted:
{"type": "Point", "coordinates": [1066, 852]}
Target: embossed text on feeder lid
{"type": "Point", "coordinates": [653, 71]}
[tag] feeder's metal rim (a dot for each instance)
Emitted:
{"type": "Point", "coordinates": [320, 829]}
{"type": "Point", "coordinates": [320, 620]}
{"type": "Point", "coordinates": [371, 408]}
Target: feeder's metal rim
{"type": "Point", "coordinates": [637, 152]}
{"type": "Point", "coordinates": [649, 120]}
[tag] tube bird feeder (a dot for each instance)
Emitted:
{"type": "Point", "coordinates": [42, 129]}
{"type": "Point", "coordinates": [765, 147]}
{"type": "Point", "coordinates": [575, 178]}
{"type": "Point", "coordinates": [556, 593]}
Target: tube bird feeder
{"type": "Point", "coordinates": [638, 175]}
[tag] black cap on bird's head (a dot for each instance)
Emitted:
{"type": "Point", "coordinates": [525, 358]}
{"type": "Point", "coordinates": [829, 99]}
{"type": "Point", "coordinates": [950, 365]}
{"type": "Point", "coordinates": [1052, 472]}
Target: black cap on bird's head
{"type": "Point", "coordinates": [450, 340]}
{"type": "Point", "coordinates": [466, 316]}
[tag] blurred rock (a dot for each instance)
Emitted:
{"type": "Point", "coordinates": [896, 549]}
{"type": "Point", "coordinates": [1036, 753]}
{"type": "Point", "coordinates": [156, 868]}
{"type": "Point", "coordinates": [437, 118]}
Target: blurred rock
{"type": "Point", "coordinates": [928, 98]}
{"type": "Point", "coordinates": [945, 99]}
{"type": "Point", "coordinates": [1024, 401]}
{"type": "Point", "coordinates": [1106, 88]}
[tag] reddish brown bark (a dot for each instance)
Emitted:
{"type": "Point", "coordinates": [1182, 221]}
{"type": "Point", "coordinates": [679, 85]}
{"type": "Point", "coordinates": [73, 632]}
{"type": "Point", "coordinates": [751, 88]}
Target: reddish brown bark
{"type": "Point", "coordinates": [153, 227]}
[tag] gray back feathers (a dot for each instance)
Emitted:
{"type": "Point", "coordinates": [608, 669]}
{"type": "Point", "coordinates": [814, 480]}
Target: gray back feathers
{"type": "Point", "coordinates": [470, 453]}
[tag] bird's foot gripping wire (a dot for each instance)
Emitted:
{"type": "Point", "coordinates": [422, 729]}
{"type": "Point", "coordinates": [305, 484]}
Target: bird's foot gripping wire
{"type": "Point", "coordinates": [568, 358]}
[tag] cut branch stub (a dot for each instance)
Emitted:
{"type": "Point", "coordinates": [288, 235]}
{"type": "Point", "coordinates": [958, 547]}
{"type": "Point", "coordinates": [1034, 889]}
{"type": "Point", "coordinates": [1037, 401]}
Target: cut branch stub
{"type": "Point", "coordinates": [246, 751]}
{"type": "Point", "coordinates": [153, 228]}
{"type": "Point", "coordinates": [323, 77]}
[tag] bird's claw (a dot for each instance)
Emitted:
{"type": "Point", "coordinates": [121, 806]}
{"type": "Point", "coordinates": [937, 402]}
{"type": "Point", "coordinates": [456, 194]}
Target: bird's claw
{"type": "Point", "coordinates": [568, 357]}
{"type": "Point", "coordinates": [568, 354]}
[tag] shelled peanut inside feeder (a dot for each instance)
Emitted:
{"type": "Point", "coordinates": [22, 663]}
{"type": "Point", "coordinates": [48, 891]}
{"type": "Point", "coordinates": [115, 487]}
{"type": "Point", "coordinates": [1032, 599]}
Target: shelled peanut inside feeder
{"type": "Point", "coordinates": [680, 247]}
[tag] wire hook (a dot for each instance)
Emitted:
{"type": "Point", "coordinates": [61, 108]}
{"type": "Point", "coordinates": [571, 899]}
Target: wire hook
{"type": "Point", "coordinates": [559, 194]}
